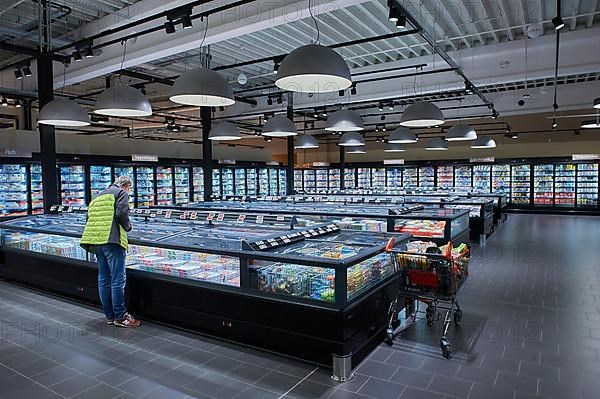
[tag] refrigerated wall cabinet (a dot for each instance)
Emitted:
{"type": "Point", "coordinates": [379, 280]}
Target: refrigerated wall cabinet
{"type": "Point", "coordinates": [313, 293]}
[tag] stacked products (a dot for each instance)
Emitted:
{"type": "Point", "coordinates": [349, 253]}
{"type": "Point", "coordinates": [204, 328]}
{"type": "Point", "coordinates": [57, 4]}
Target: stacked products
{"type": "Point", "coordinates": [240, 181]}
{"type": "Point", "coordinates": [227, 182]}
{"type": "Point", "coordinates": [564, 185]}
{"type": "Point", "coordinates": [378, 178]}
{"type": "Point", "coordinates": [367, 273]}
{"type": "Point", "coordinates": [198, 178]}
{"type": "Point", "coordinates": [543, 185]}
{"type": "Point", "coordinates": [216, 182]}
{"type": "Point", "coordinates": [364, 177]}
{"type": "Point", "coordinates": [126, 171]}
{"type": "Point", "coordinates": [321, 176]}
{"type": "Point", "coordinates": [501, 179]}
{"type": "Point", "coordinates": [334, 179]}
{"type": "Point", "coordinates": [37, 189]}
{"type": "Point", "coordinates": [182, 185]}
{"type": "Point", "coordinates": [13, 190]}
{"type": "Point", "coordinates": [481, 178]}
{"type": "Point", "coordinates": [462, 177]}
{"type": "Point", "coordinates": [72, 185]}
{"type": "Point", "coordinates": [410, 177]}
{"type": "Point", "coordinates": [67, 247]}
{"type": "Point", "coordinates": [100, 179]}
{"type": "Point", "coordinates": [587, 185]}
{"type": "Point", "coordinates": [445, 176]}
{"type": "Point", "coordinates": [422, 228]}
{"type": "Point", "coordinates": [394, 177]}
{"type": "Point", "coordinates": [145, 186]}
{"type": "Point", "coordinates": [520, 189]}
{"type": "Point", "coordinates": [349, 178]}
{"type": "Point", "coordinates": [251, 182]}
{"type": "Point", "coordinates": [426, 176]}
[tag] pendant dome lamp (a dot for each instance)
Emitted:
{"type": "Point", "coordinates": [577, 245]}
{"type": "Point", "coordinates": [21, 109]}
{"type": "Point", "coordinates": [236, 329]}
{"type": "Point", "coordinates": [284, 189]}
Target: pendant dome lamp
{"type": "Point", "coordinates": [437, 144]}
{"type": "Point", "coordinates": [306, 141]}
{"type": "Point", "coordinates": [392, 147]}
{"type": "Point", "coordinates": [122, 100]}
{"type": "Point", "coordinates": [461, 133]}
{"type": "Point", "coordinates": [402, 135]}
{"type": "Point", "coordinates": [313, 69]}
{"type": "Point", "coordinates": [61, 112]}
{"type": "Point", "coordinates": [422, 114]}
{"type": "Point", "coordinates": [279, 126]}
{"type": "Point", "coordinates": [597, 103]}
{"type": "Point", "coordinates": [361, 149]}
{"type": "Point", "coordinates": [202, 87]}
{"type": "Point", "coordinates": [224, 131]}
{"type": "Point", "coordinates": [344, 120]}
{"type": "Point", "coordinates": [352, 139]}
{"type": "Point", "coordinates": [484, 142]}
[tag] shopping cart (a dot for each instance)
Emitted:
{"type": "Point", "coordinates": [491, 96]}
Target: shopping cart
{"type": "Point", "coordinates": [433, 279]}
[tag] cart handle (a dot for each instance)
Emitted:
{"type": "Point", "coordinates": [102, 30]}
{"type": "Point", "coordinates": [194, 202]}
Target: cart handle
{"type": "Point", "coordinates": [390, 245]}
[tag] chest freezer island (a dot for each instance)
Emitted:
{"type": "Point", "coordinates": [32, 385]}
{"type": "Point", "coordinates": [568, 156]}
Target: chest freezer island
{"type": "Point", "coordinates": [316, 293]}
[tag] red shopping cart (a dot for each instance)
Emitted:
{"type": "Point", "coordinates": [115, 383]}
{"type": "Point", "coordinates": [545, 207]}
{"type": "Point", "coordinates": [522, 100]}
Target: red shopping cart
{"type": "Point", "coordinates": [433, 279]}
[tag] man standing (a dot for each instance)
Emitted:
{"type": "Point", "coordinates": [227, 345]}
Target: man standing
{"type": "Point", "coordinates": [105, 235]}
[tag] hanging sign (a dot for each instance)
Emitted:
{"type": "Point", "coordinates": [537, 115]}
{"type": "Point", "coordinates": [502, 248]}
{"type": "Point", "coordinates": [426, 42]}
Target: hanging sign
{"type": "Point", "coordinates": [320, 164]}
{"type": "Point", "coordinates": [13, 152]}
{"type": "Point", "coordinates": [585, 157]}
{"type": "Point", "coordinates": [484, 159]}
{"type": "Point", "coordinates": [393, 161]}
{"type": "Point", "coordinates": [144, 158]}
{"type": "Point", "coordinates": [272, 163]}
{"type": "Point", "coordinates": [227, 161]}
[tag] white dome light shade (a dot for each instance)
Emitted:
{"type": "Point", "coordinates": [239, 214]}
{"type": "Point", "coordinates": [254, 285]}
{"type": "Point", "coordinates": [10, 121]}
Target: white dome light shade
{"type": "Point", "coordinates": [62, 112]}
{"type": "Point", "coordinates": [313, 69]}
{"type": "Point", "coordinates": [279, 126]}
{"type": "Point", "coordinates": [597, 103]}
{"type": "Point", "coordinates": [352, 139]}
{"type": "Point", "coordinates": [202, 87]}
{"type": "Point", "coordinates": [122, 100]}
{"type": "Point", "coordinates": [306, 141]}
{"type": "Point", "coordinates": [402, 135]}
{"type": "Point", "coordinates": [461, 133]}
{"type": "Point", "coordinates": [391, 147]}
{"type": "Point", "coordinates": [224, 131]}
{"type": "Point", "coordinates": [484, 142]}
{"type": "Point", "coordinates": [344, 120]}
{"type": "Point", "coordinates": [422, 114]}
{"type": "Point", "coordinates": [361, 149]}
{"type": "Point", "coordinates": [591, 124]}
{"type": "Point", "coordinates": [437, 144]}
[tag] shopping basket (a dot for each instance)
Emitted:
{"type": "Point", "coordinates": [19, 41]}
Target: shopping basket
{"type": "Point", "coordinates": [433, 279]}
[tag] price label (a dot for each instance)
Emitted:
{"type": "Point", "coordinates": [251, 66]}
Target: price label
{"type": "Point", "coordinates": [60, 208]}
{"type": "Point", "coordinates": [147, 211]}
{"type": "Point", "coordinates": [280, 218]}
{"type": "Point", "coordinates": [286, 240]}
{"type": "Point", "coordinates": [262, 246]}
{"type": "Point", "coordinates": [220, 217]}
{"type": "Point", "coordinates": [153, 215]}
{"type": "Point", "coordinates": [168, 215]}
{"type": "Point", "coordinates": [241, 218]}
{"type": "Point", "coordinates": [69, 209]}
{"type": "Point", "coordinates": [194, 215]}
{"type": "Point", "coordinates": [159, 212]}
{"type": "Point", "coordinates": [210, 216]}
{"type": "Point", "coordinates": [182, 216]}
{"type": "Point", "coordinates": [272, 241]}
{"type": "Point", "coordinates": [259, 219]}
{"type": "Point", "coordinates": [260, 242]}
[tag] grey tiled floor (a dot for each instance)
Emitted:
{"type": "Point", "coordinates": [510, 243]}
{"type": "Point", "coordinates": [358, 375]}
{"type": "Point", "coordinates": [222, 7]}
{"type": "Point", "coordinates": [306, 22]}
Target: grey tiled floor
{"type": "Point", "coordinates": [531, 328]}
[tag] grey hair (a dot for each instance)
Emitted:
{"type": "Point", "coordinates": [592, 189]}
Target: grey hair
{"type": "Point", "coordinates": [123, 181]}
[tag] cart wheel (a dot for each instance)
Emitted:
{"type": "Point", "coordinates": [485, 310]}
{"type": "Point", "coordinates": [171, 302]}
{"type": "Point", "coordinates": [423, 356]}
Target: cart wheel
{"type": "Point", "coordinates": [389, 337]}
{"type": "Point", "coordinates": [457, 316]}
{"type": "Point", "coordinates": [446, 348]}
{"type": "Point", "coordinates": [429, 314]}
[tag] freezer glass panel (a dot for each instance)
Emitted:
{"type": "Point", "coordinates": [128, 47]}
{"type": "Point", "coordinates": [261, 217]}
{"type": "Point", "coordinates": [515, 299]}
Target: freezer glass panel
{"type": "Point", "coordinates": [367, 273]}
{"type": "Point", "coordinates": [182, 185]}
{"type": "Point", "coordinates": [321, 179]}
{"type": "Point", "coordinates": [543, 185]}
{"type": "Point", "coordinates": [100, 179]}
{"type": "Point", "coordinates": [164, 186]}
{"type": "Point", "coordinates": [240, 181]}
{"type": "Point", "coordinates": [309, 180]}
{"type": "Point", "coordinates": [394, 177]}
{"type": "Point", "coordinates": [564, 185]}
{"type": "Point", "coordinates": [37, 189]}
{"type": "Point", "coordinates": [198, 179]}
{"type": "Point", "coordinates": [481, 178]}
{"type": "Point", "coordinates": [67, 247]}
{"type": "Point", "coordinates": [145, 186]}
{"type": "Point", "coordinates": [501, 179]}
{"type": "Point", "coordinates": [126, 171]}
{"type": "Point", "coordinates": [426, 176]}
{"type": "Point", "coordinates": [273, 181]}
{"type": "Point", "coordinates": [216, 182]}
{"type": "Point", "coordinates": [282, 181]}
{"type": "Point", "coordinates": [13, 190]}
{"type": "Point", "coordinates": [445, 176]}
{"type": "Point", "coordinates": [72, 189]}
{"type": "Point", "coordinates": [587, 185]}
{"type": "Point", "coordinates": [227, 181]}
{"type": "Point", "coordinates": [364, 177]}
{"type": "Point", "coordinates": [298, 179]}
{"type": "Point", "coordinates": [263, 181]}
{"type": "Point", "coordinates": [334, 179]}
{"type": "Point", "coordinates": [378, 177]}
{"type": "Point", "coordinates": [520, 185]}
{"type": "Point", "coordinates": [462, 177]}
{"type": "Point", "coordinates": [409, 177]}
{"type": "Point", "coordinates": [251, 187]}
{"type": "Point", "coordinates": [350, 178]}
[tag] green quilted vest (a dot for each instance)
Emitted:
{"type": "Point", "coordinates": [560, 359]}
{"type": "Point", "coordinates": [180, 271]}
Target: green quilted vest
{"type": "Point", "coordinates": [100, 218]}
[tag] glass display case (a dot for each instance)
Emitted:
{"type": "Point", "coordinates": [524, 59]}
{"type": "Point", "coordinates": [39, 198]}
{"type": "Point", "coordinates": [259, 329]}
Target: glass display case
{"type": "Point", "coordinates": [198, 180]}
{"type": "Point", "coordinates": [13, 190]}
{"type": "Point", "coordinates": [37, 188]}
{"type": "Point", "coordinates": [282, 173]}
{"type": "Point", "coordinates": [227, 182]}
{"type": "Point", "coordinates": [263, 181]}
{"type": "Point", "coordinates": [273, 181]}
{"type": "Point", "coordinates": [216, 183]}
{"type": "Point", "coordinates": [298, 179]}
{"type": "Point", "coordinates": [349, 178]}
{"type": "Point", "coordinates": [321, 180]}
{"type": "Point", "coordinates": [309, 180]}
{"type": "Point", "coordinates": [240, 181]}
{"type": "Point", "coordinates": [182, 185]}
{"type": "Point", "coordinates": [463, 177]}
{"type": "Point", "coordinates": [520, 185]}
{"type": "Point", "coordinates": [127, 171]}
{"type": "Point", "coordinates": [501, 179]}
{"type": "Point", "coordinates": [145, 186]}
{"type": "Point", "coordinates": [378, 178]}
{"type": "Point", "coordinates": [100, 178]}
{"type": "Point", "coordinates": [393, 177]}
{"type": "Point", "coordinates": [72, 185]}
{"type": "Point", "coordinates": [587, 185]}
{"type": "Point", "coordinates": [251, 182]}
{"type": "Point", "coordinates": [164, 186]}
{"type": "Point", "coordinates": [363, 177]}
{"type": "Point", "coordinates": [426, 176]}
{"type": "Point", "coordinates": [445, 176]}
{"type": "Point", "coordinates": [410, 177]}
{"type": "Point", "coordinates": [334, 179]}
{"type": "Point", "coordinates": [543, 185]}
{"type": "Point", "coordinates": [482, 178]}
{"type": "Point", "coordinates": [564, 185]}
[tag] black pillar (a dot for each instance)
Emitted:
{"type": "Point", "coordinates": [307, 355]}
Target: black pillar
{"type": "Point", "coordinates": [47, 137]}
{"type": "Point", "coordinates": [206, 120]}
{"type": "Point", "coordinates": [290, 149]}
{"type": "Point", "coordinates": [342, 166]}
{"type": "Point", "coordinates": [27, 122]}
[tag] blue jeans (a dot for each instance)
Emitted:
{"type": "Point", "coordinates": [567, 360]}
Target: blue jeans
{"type": "Point", "coordinates": [111, 280]}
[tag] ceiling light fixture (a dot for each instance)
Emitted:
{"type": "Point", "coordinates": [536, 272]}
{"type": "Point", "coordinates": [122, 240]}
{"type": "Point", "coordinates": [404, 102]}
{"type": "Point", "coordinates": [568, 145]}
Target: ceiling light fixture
{"type": "Point", "coordinates": [122, 100]}
{"type": "Point", "coordinates": [422, 114]}
{"type": "Point", "coordinates": [344, 120]}
{"type": "Point", "coordinates": [554, 124]}
{"type": "Point", "coordinates": [169, 27]}
{"type": "Point", "coordinates": [393, 14]}
{"type": "Point", "coordinates": [88, 52]}
{"type": "Point", "coordinates": [77, 56]}
{"type": "Point", "coordinates": [558, 22]}
{"type": "Point", "coordinates": [380, 107]}
{"type": "Point", "coordinates": [401, 22]}
{"type": "Point", "coordinates": [4, 102]}
{"type": "Point", "coordinates": [597, 103]}
{"type": "Point", "coordinates": [18, 74]}
{"type": "Point", "coordinates": [186, 21]}
{"type": "Point", "coordinates": [437, 144]}
{"type": "Point", "coordinates": [352, 139]}
{"type": "Point", "coordinates": [591, 124]}
{"type": "Point", "coordinates": [18, 104]}
{"type": "Point", "coordinates": [361, 149]}
{"type": "Point", "coordinates": [392, 147]}
{"type": "Point", "coordinates": [27, 71]}
{"type": "Point", "coordinates": [61, 112]}
{"type": "Point", "coordinates": [202, 87]}
{"type": "Point", "coordinates": [279, 126]}
{"type": "Point", "coordinates": [484, 142]}
{"type": "Point", "coordinates": [224, 131]}
{"type": "Point", "coordinates": [402, 135]}
{"type": "Point", "coordinates": [461, 133]}
{"type": "Point", "coordinates": [306, 141]}
{"type": "Point", "coordinates": [353, 90]}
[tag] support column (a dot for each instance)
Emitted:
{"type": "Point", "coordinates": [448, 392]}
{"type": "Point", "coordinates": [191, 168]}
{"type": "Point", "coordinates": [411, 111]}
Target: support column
{"type": "Point", "coordinates": [27, 122]}
{"type": "Point", "coordinates": [47, 136]}
{"type": "Point", "coordinates": [342, 166]}
{"type": "Point", "coordinates": [290, 149]}
{"type": "Point", "coordinates": [207, 165]}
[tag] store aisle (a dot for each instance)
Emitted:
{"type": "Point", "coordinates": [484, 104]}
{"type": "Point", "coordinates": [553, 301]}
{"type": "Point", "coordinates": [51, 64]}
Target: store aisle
{"type": "Point", "coordinates": [531, 327]}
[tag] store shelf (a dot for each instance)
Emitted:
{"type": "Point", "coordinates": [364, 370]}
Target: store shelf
{"type": "Point", "coordinates": [100, 179]}
{"type": "Point", "coordinates": [216, 182]}
{"type": "Point", "coordinates": [72, 185]}
{"type": "Point", "coordinates": [321, 179]}
{"type": "Point", "coordinates": [198, 183]}
{"type": "Point", "coordinates": [126, 171]}
{"type": "Point", "coordinates": [37, 186]}
{"type": "Point", "coordinates": [543, 185]}
{"type": "Point", "coordinates": [282, 173]}
{"type": "Point", "coordinates": [378, 178]}
{"type": "Point", "coordinates": [363, 177]}
{"type": "Point", "coordinates": [501, 179]}
{"type": "Point", "coordinates": [240, 181]}
{"type": "Point", "coordinates": [251, 182]}
{"type": "Point", "coordinates": [350, 178]}
{"type": "Point", "coordinates": [227, 181]}
{"type": "Point", "coordinates": [520, 185]}
{"type": "Point", "coordinates": [410, 177]}
{"type": "Point", "coordinates": [587, 185]}
{"type": "Point", "coordinates": [13, 190]}
{"type": "Point", "coordinates": [182, 185]}
{"type": "Point", "coordinates": [426, 176]}
{"type": "Point", "coordinates": [462, 177]}
{"type": "Point", "coordinates": [334, 179]}
{"type": "Point", "coordinates": [145, 185]}
{"type": "Point", "coordinates": [394, 177]}
{"type": "Point", "coordinates": [445, 176]}
{"type": "Point", "coordinates": [482, 178]}
{"type": "Point", "coordinates": [564, 185]}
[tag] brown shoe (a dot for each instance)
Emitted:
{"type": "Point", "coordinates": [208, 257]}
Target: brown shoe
{"type": "Point", "coordinates": [128, 322]}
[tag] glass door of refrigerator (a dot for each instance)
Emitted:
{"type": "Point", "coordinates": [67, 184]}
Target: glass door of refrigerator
{"type": "Point", "coordinates": [463, 177]}
{"type": "Point", "coordinates": [410, 177]}
{"type": "Point", "coordinates": [240, 181]}
{"type": "Point", "coordinates": [501, 179]}
{"type": "Point", "coordinates": [100, 179]}
{"type": "Point", "coordinates": [520, 185]}
{"type": "Point", "coordinates": [298, 179]}
{"type": "Point", "coordinates": [349, 178]}
{"type": "Point", "coordinates": [273, 181]}
{"type": "Point", "coordinates": [394, 177]}
{"type": "Point", "coordinates": [378, 178]}
{"type": "Point", "coordinates": [227, 181]}
{"type": "Point", "coordinates": [263, 181]}
{"type": "Point", "coordinates": [364, 177]}
{"type": "Point", "coordinates": [564, 185]}
{"type": "Point", "coordinates": [334, 179]}
{"type": "Point", "coordinates": [216, 182]}
{"type": "Point", "coordinates": [37, 189]}
{"type": "Point", "coordinates": [126, 171]}
{"type": "Point", "coordinates": [251, 187]}
{"type": "Point", "coordinates": [587, 185]}
{"type": "Point", "coordinates": [482, 178]}
{"type": "Point", "coordinates": [13, 190]}
{"type": "Point", "coordinates": [426, 176]}
{"type": "Point", "coordinates": [182, 185]}
{"type": "Point", "coordinates": [543, 185]}
{"type": "Point", "coordinates": [309, 180]}
{"type": "Point", "coordinates": [72, 185]}
{"type": "Point", "coordinates": [282, 173]}
{"type": "Point", "coordinates": [164, 185]}
{"type": "Point", "coordinates": [198, 182]}
{"type": "Point", "coordinates": [321, 182]}
{"type": "Point", "coordinates": [445, 176]}
{"type": "Point", "coordinates": [145, 186]}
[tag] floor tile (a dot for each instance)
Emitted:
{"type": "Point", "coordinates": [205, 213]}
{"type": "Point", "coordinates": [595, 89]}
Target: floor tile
{"type": "Point", "coordinates": [379, 389]}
